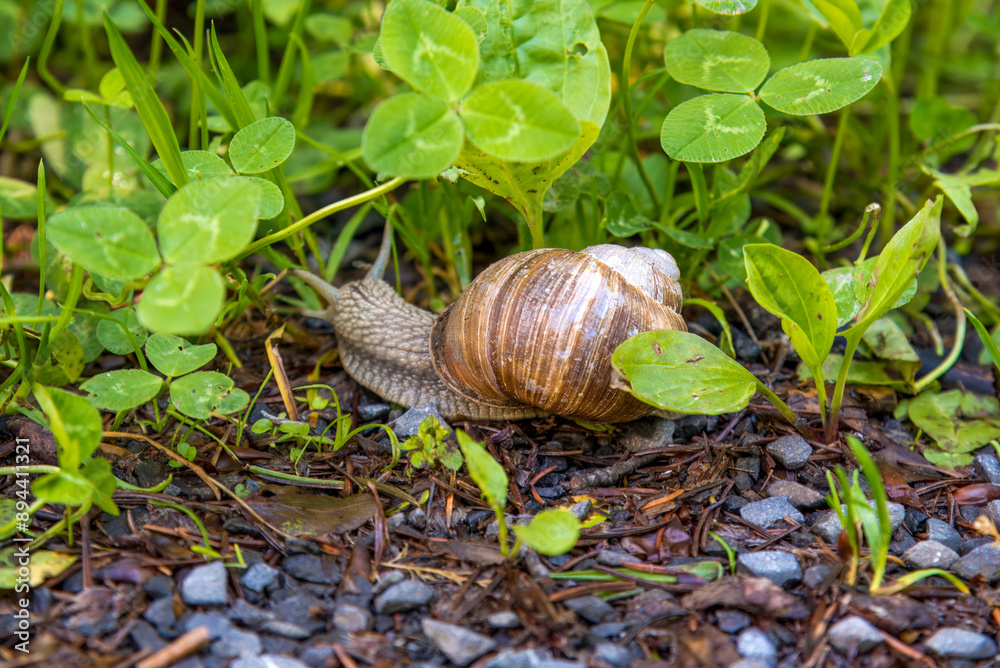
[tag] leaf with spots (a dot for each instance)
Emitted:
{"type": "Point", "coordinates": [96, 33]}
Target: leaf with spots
{"type": "Point", "coordinates": [821, 86]}
{"type": "Point", "coordinates": [123, 389]}
{"type": "Point", "coordinates": [113, 337]}
{"type": "Point", "coordinates": [111, 241]}
{"type": "Point", "coordinates": [412, 135]}
{"type": "Point", "coordinates": [208, 221]}
{"type": "Point", "coordinates": [262, 145]}
{"type": "Point", "coordinates": [789, 286]}
{"type": "Point", "coordinates": [182, 299]}
{"type": "Point", "coordinates": [682, 372]}
{"type": "Point", "coordinates": [713, 128]}
{"type": "Point", "coordinates": [174, 356]}
{"type": "Point", "coordinates": [198, 394]}
{"type": "Point", "coordinates": [717, 60]}
{"type": "Point", "coordinates": [728, 7]}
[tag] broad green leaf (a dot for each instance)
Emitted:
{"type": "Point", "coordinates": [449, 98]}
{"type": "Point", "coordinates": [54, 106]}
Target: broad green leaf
{"type": "Point", "coordinates": [113, 338]}
{"type": "Point", "coordinates": [65, 363]}
{"type": "Point", "coordinates": [208, 221]}
{"type": "Point", "coordinates": [713, 128]}
{"type": "Point", "coordinates": [821, 86]}
{"type": "Point", "coordinates": [687, 239]}
{"type": "Point", "coordinates": [110, 241]}
{"type": "Point", "coordinates": [682, 372]}
{"type": "Point", "coordinates": [554, 43]}
{"type": "Point", "coordinates": [485, 471]}
{"type": "Point", "coordinates": [75, 424]}
{"type": "Point", "coordinates": [861, 372]}
{"type": "Point", "coordinates": [430, 48]}
{"type": "Point", "coordinates": [551, 532]}
{"type": "Point", "coordinates": [64, 488]}
{"type": "Point", "coordinates": [147, 103]}
{"type": "Point", "coordinates": [198, 394]}
{"type": "Point", "coordinates": [519, 121]}
{"type": "Point", "coordinates": [847, 286]}
{"type": "Point", "coordinates": [262, 145]}
{"type": "Point", "coordinates": [19, 199]}
{"type": "Point", "coordinates": [899, 264]}
{"type": "Point", "coordinates": [523, 184]}
{"type": "Point", "coordinates": [412, 135]}
{"type": "Point", "coordinates": [200, 165]}
{"type": "Point", "coordinates": [891, 22]}
{"type": "Point", "coordinates": [270, 201]}
{"type": "Point", "coordinates": [958, 191]}
{"type": "Point", "coordinates": [959, 423]}
{"type": "Point", "coordinates": [728, 7]}
{"type": "Point", "coordinates": [45, 564]}
{"type": "Point", "coordinates": [989, 342]}
{"type": "Point", "coordinates": [789, 286]}
{"type": "Point", "coordinates": [888, 342]}
{"type": "Point", "coordinates": [98, 473]}
{"type": "Point", "coordinates": [935, 119]}
{"type": "Point", "coordinates": [476, 20]}
{"type": "Point", "coordinates": [122, 390]}
{"type": "Point", "coordinates": [717, 60]}
{"type": "Point", "coordinates": [182, 299]}
{"type": "Point", "coordinates": [844, 17]}
{"type": "Point", "coordinates": [173, 356]}
{"type": "Point", "coordinates": [329, 27]}
{"type": "Point", "coordinates": [620, 217]}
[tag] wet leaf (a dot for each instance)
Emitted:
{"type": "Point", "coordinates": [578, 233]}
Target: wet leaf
{"type": "Point", "coordinates": [306, 514]}
{"type": "Point", "coordinates": [551, 532]}
{"type": "Point", "coordinates": [821, 86]}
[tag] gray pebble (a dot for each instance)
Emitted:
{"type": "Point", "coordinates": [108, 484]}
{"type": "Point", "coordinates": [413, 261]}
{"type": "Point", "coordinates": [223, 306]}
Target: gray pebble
{"type": "Point", "coordinates": [350, 617]}
{"type": "Point", "coordinates": [769, 512]}
{"type": "Point", "coordinates": [387, 579]}
{"type": "Point", "coordinates": [216, 624]}
{"type": "Point", "coordinates": [987, 467]}
{"type": "Point", "coordinates": [854, 635]}
{"type": "Point", "coordinates": [816, 575]}
{"type": "Point", "coordinates": [753, 644]}
{"type": "Point", "coordinates": [506, 619]}
{"type": "Point", "coordinates": [620, 657]}
{"type": "Point", "coordinates": [647, 433]}
{"type": "Point", "coordinates": [145, 637]}
{"type": "Point", "coordinates": [731, 621]}
{"type": "Point", "coordinates": [458, 643]}
{"type": "Point", "coordinates": [930, 554]}
{"type": "Point", "coordinates": [781, 568]}
{"type": "Point", "coordinates": [614, 557]}
{"type": "Point", "coordinates": [235, 642]}
{"type": "Point", "coordinates": [205, 585]}
{"type": "Point", "coordinates": [955, 643]}
{"type": "Point", "coordinates": [800, 496]}
{"type": "Point", "coordinates": [406, 595]}
{"type": "Point", "coordinates": [248, 615]}
{"type": "Point", "coordinates": [828, 527]}
{"type": "Point", "coordinates": [591, 608]}
{"type": "Point", "coordinates": [944, 533]}
{"type": "Point", "coordinates": [409, 422]}
{"type": "Point", "coordinates": [312, 568]}
{"type": "Point", "coordinates": [582, 509]}
{"type": "Point", "coordinates": [791, 452]}
{"type": "Point", "coordinates": [983, 561]}
{"type": "Point", "coordinates": [160, 613]}
{"type": "Point", "coordinates": [258, 577]}
{"type": "Point", "coordinates": [530, 658]}
{"type": "Point", "coordinates": [267, 661]}
{"type": "Point", "coordinates": [285, 629]}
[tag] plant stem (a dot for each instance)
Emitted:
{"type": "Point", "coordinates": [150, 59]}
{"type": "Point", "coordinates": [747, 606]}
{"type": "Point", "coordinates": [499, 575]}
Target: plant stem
{"type": "Point", "coordinates": [43, 55]}
{"type": "Point", "coordinates": [260, 39]}
{"type": "Point", "coordinates": [700, 188]}
{"type": "Point", "coordinates": [833, 424]}
{"type": "Point", "coordinates": [627, 102]}
{"type": "Point", "coordinates": [956, 348]}
{"type": "Point", "coordinates": [822, 221]}
{"type": "Point", "coordinates": [30, 468]}
{"type": "Point", "coordinates": [892, 111]}
{"type": "Point", "coordinates": [765, 9]}
{"type": "Point", "coordinates": [782, 407]}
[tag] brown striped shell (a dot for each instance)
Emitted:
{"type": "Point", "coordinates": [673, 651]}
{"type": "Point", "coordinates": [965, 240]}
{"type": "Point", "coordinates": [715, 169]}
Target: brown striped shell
{"type": "Point", "coordinates": [539, 328]}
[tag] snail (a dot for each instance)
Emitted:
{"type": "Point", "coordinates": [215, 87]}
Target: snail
{"type": "Point", "coordinates": [531, 336]}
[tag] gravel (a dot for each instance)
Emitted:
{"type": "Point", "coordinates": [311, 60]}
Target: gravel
{"type": "Point", "coordinates": [828, 526]}
{"type": "Point", "coordinates": [944, 533]}
{"type": "Point", "coordinates": [530, 658]}
{"type": "Point", "coordinates": [987, 467]}
{"type": "Point", "coordinates": [800, 496]}
{"type": "Point", "coordinates": [781, 568]}
{"type": "Point", "coordinates": [854, 635]}
{"type": "Point", "coordinates": [770, 512]}
{"type": "Point", "coordinates": [408, 423]}
{"type": "Point", "coordinates": [731, 621]}
{"type": "Point", "coordinates": [350, 617]}
{"type": "Point", "coordinates": [205, 585]}
{"type": "Point", "coordinates": [591, 608]}
{"type": "Point", "coordinates": [506, 619]}
{"type": "Point", "coordinates": [983, 561]}
{"type": "Point", "coordinates": [258, 577]}
{"type": "Point", "coordinates": [930, 554]}
{"type": "Point", "coordinates": [954, 643]}
{"type": "Point", "coordinates": [754, 645]}
{"type": "Point", "coordinates": [458, 643]}
{"type": "Point", "coordinates": [406, 595]}
{"type": "Point", "coordinates": [312, 568]}
{"type": "Point", "coordinates": [791, 452]}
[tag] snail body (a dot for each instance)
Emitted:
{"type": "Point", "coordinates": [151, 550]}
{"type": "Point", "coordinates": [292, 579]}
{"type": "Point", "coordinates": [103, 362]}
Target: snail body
{"type": "Point", "coordinates": [532, 335]}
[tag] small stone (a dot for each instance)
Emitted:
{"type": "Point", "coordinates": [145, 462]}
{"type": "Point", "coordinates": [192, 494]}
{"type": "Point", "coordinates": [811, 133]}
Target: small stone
{"type": "Point", "coordinates": [350, 617]}
{"type": "Point", "coordinates": [647, 433]}
{"type": "Point", "coordinates": [987, 467]}
{"type": "Point", "coordinates": [743, 482]}
{"type": "Point", "coordinates": [258, 577]}
{"type": "Point", "coordinates": [369, 411]}
{"type": "Point", "coordinates": [984, 561]}
{"type": "Point", "coordinates": [205, 585]}
{"type": "Point", "coordinates": [993, 512]}
{"type": "Point", "coordinates": [915, 520]}
{"type": "Point", "coordinates": [459, 644]}
{"type": "Point", "coordinates": [529, 658]}
{"type": "Point", "coordinates": [617, 656]}
{"type": "Point", "coordinates": [828, 527]}
{"type": "Point", "coordinates": [407, 595]}
{"type": "Point", "coordinates": [236, 642]}
{"type": "Point", "coordinates": [591, 608]}
{"type": "Point", "coordinates": [748, 465]}
{"type": "Point", "coordinates": [285, 629]}
{"type": "Point", "coordinates": [160, 613]}
{"type": "Point", "coordinates": [249, 615]}
{"type": "Point", "coordinates": [145, 637]}
{"type": "Point", "coordinates": [216, 624]}
{"type": "Point", "coordinates": [267, 661]}
{"type": "Point", "coordinates": [769, 512]}
{"type": "Point", "coordinates": [312, 568]}
{"type": "Point", "coordinates": [582, 509]}
{"type": "Point", "coordinates": [800, 496]}
{"type": "Point", "coordinates": [944, 533]}
{"type": "Point", "coordinates": [694, 425]}
{"type": "Point", "coordinates": [607, 629]}
{"type": "Point", "coordinates": [930, 554]}
{"type": "Point", "coordinates": [753, 644]}
{"type": "Point", "coordinates": [159, 586]}
{"type": "Point", "coordinates": [614, 557]}
{"type": "Point", "coordinates": [791, 451]}
{"type": "Point", "coordinates": [854, 635]}
{"type": "Point", "coordinates": [955, 643]}
{"type": "Point", "coordinates": [816, 575]}
{"type": "Point", "coordinates": [386, 580]}
{"type": "Point", "coordinates": [506, 619]}
{"type": "Point", "coordinates": [781, 568]}
{"type": "Point", "coordinates": [731, 621]}
{"type": "Point", "coordinates": [409, 422]}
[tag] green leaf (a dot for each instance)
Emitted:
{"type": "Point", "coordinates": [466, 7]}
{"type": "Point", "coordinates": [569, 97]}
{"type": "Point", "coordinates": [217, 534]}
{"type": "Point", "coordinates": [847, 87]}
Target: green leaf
{"type": "Point", "coordinates": [821, 86]}
{"type": "Point", "coordinates": [555, 44]}
{"type": "Point", "coordinates": [958, 189]}
{"type": "Point", "coordinates": [891, 22]}
{"type": "Point", "coordinates": [113, 338]}
{"type": "Point", "coordinates": [182, 299]}
{"type": "Point", "coordinates": [208, 221]}
{"type": "Point", "coordinates": [110, 241]}
{"type": "Point", "coordinates": [270, 201]}
{"type": "Point", "coordinates": [934, 119]}
{"type": "Point", "coordinates": [19, 199]}
{"type": "Point", "coordinates": [989, 343]}
{"type": "Point", "coordinates": [861, 372]}
{"type": "Point", "coordinates": [899, 264]}
{"type": "Point", "coordinates": [682, 372]}
{"type": "Point", "coordinates": [789, 286]}
{"type": "Point", "coordinates": [122, 390]}
{"type": "Point", "coordinates": [75, 424]}
{"type": "Point", "coordinates": [888, 342]}
{"type": "Point", "coordinates": [66, 362]}
{"type": "Point", "coordinates": [960, 423]}
{"type": "Point", "coordinates": [45, 564]}
{"type": "Point", "coordinates": [519, 120]}
{"type": "Point", "coordinates": [847, 285]}
{"type": "Point", "coordinates": [844, 17]}
{"type": "Point", "coordinates": [412, 135]}
{"type": "Point", "coordinates": [173, 356]}
{"type": "Point", "coordinates": [717, 60]}
{"type": "Point", "coordinates": [147, 103]}
{"type": "Point", "coordinates": [430, 48]}
{"type": "Point", "coordinates": [728, 7]}
{"type": "Point", "coordinates": [200, 165]}
{"type": "Point", "coordinates": [262, 145]}
{"type": "Point", "coordinates": [199, 393]}
{"type": "Point", "coordinates": [485, 471]}
{"type": "Point", "coordinates": [551, 532]}
{"type": "Point", "coordinates": [713, 128]}
{"type": "Point", "coordinates": [64, 488]}
{"type": "Point", "coordinates": [97, 472]}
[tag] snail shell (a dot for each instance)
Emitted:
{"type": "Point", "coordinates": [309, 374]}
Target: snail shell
{"type": "Point", "coordinates": [533, 334]}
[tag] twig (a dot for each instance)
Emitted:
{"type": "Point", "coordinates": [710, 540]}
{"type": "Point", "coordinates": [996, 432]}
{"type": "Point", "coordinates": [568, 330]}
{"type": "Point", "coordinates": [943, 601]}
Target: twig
{"type": "Point", "coordinates": [187, 644]}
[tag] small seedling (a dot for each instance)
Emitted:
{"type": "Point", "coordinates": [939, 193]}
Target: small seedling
{"type": "Point", "coordinates": [428, 446]}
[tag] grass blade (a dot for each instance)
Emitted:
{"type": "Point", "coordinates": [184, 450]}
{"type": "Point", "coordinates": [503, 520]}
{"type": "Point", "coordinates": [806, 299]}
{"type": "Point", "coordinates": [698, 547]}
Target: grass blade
{"type": "Point", "coordinates": [161, 183]}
